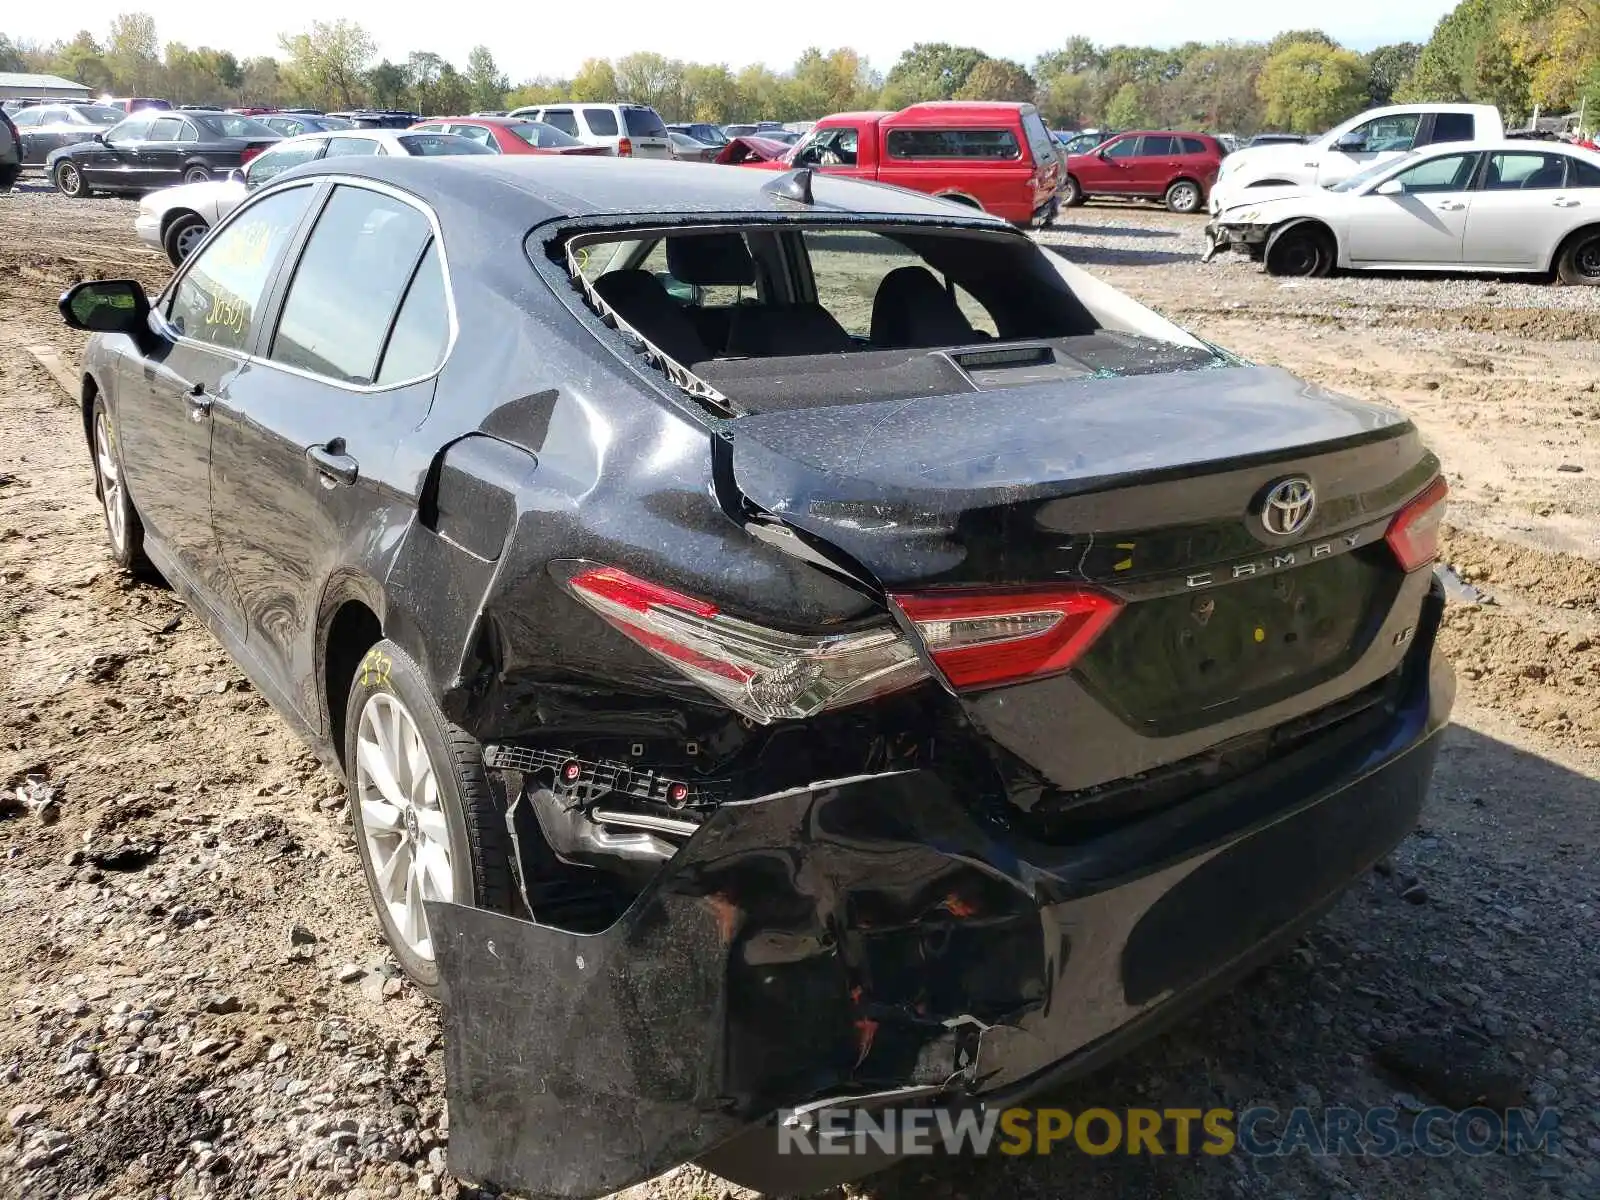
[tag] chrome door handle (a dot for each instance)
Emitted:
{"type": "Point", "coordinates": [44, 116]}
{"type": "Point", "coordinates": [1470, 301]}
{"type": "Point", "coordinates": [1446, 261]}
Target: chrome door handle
{"type": "Point", "coordinates": [1565, 202]}
{"type": "Point", "coordinates": [1450, 206]}
{"type": "Point", "coordinates": [333, 464]}
{"type": "Point", "coordinates": [200, 402]}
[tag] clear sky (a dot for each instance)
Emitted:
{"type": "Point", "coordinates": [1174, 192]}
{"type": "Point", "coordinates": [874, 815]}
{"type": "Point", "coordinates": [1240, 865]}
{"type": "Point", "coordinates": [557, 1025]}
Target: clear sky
{"type": "Point", "coordinates": [551, 37]}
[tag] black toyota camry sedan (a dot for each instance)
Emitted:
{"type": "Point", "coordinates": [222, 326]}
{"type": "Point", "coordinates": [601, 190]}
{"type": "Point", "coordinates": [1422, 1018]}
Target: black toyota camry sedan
{"type": "Point", "coordinates": [790, 642]}
{"type": "Point", "coordinates": [153, 149]}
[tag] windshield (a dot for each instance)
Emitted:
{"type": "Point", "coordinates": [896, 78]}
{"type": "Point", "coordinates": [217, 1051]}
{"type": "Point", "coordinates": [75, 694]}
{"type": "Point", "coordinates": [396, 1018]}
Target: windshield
{"type": "Point", "coordinates": [545, 137]}
{"type": "Point", "coordinates": [1361, 178]}
{"type": "Point", "coordinates": [427, 145]}
{"type": "Point", "coordinates": [233, 125]}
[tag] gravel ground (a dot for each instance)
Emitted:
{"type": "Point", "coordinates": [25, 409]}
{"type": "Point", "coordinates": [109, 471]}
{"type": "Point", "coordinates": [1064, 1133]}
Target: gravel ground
{"type": "Point", "coordinates": [200, 1004]}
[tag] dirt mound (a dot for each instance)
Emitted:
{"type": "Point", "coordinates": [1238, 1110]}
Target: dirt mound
{"type": "Point", "coordinates": [1560, 580]}
{"type": "Point", "coordinates": [1545, 324]}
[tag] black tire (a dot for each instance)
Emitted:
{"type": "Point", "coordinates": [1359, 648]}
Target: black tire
{"type": "Point", "coordinates": [479, 846]}
{"type": "Point", "coordinates": [1300, 251]}
{"type": "Point", "coordinates": [198, 174]}
{"type": "Point", "coordinates": [69, 180]}
{"type": "Point", "coordinates": [1183, 196]}
{"type": "Point", "coordinates": [1072, 194]}
{"type": "Point", "coordinates": [124, 529]}
{"type": "Point", "coordinates": [1578, 263]}
{"type": "Point", "coordinates": [182, 236]}
{"type": "Point", "coordinates": [9, 175]}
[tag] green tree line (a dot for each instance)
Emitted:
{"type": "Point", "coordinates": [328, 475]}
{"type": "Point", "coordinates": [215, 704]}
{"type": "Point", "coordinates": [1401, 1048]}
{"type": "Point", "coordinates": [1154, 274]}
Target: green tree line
{"type": "Point", "coordinates": [1514, 53]}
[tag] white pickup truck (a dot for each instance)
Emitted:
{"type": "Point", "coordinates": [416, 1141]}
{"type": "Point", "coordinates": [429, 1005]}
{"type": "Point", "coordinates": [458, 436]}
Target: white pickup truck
{"type": "Point", "coordinates": [1366, 138]}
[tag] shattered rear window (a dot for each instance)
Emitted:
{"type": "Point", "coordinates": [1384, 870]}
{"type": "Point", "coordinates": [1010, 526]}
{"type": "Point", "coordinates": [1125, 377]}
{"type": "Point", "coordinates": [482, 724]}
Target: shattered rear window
{"type": "Point", "coordinates": [765, 316]}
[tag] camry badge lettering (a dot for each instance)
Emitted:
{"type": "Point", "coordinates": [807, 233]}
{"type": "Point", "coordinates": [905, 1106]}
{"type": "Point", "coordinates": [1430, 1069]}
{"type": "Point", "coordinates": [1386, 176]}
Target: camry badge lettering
{"type": "Point", "coordinates": [1278, 562]}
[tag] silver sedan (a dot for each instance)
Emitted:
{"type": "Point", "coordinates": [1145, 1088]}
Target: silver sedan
{"type": "Point", "coordinates": [688, 149]}
{"type": "Point", "coordinates": [47, 127]}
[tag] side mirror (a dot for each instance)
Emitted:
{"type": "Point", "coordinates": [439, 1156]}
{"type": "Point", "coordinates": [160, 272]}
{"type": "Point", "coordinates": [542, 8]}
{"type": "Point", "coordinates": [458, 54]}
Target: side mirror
{"type": "Point", "coordinates": [1390, 187]}
{"type": "Point", "coordinates": [1351, 143]}
{"type": "Point", "coordinates": [99, 137]}
{"type": "Point", "coordinates": [107, 306]}
{"type": "Point", "coordinates": [237, 175]}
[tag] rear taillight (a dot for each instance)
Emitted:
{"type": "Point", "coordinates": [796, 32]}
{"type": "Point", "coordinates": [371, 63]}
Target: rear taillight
{"type": "Point", "coordinates": [248, 153]}
{"type": "Point", "coordinates": [981, 639]}
{"type": "Point", "coordinates": [624, 148]}
{"type": "Point", "coordinates": [1414, 533]}
{"type": "Point", "coordinates": [763, 673]}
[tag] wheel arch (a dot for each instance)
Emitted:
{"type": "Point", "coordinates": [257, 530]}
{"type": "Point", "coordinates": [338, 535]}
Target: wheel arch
{"type": "Point", "coordinates": [172, 214]}
{"type": "Point", "coordinates": [1312, 223]}
{"type": "Point", "coordinates": [351, 626]}
{"type": "Point", "coordinates": [1561, 246]}
{"type": "Point", "coordinates": [965, 198]}
{"type": "Point", "coordinates": [1190, 178]}
{"type": "Point", "coordinates": [88, 392]}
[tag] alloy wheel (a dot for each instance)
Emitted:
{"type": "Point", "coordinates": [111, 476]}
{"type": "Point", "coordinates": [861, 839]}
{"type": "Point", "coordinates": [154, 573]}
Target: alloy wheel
{"type": "Point", "coordinates": [188, 238]}
{"type": "Point", "coordinates": [110, 483]}
{"type": "Point", "coordinates": [68, 179]}
{"type": "Point", "coordinates": [1587, 259]}
{"type": "Point", "coordinates": [1184, 198]}
{"type": "Point", "coordinates": [402, 820]}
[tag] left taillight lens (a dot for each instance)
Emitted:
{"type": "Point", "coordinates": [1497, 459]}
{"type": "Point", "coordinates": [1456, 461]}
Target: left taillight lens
{"type": "Point", "coordinates": [1414, 533]}
{"type": "Point", "coordinates": [248, 153]}
{"type": "Point", "coordinates": [766, 674]}
{"type": "Point", "coordinates": [624, 148]}
{"type": "Point", "coordinates": [981, 639]}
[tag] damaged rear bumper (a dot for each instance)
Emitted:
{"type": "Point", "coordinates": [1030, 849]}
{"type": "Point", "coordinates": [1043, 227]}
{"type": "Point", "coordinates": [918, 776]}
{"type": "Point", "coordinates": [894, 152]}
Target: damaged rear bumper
{"type": "Point", "coordinates": [841, 944]}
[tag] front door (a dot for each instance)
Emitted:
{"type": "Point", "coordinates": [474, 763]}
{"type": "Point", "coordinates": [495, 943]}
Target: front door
{"type": "Point", "coordinates": [1424, 222]}
{"type": "Point", "coordinates": [116, 162]}
{"type": "Point", "coordinates": [835, 150]}
{"type": "Point", "coordinates": [208, 320]}
{"type": "Point", "coordinates": [304, 443]}
{"type": "Point", "coordinates": [1374, 141]}
{"type": "Point", "coordinates": [1111, 168]}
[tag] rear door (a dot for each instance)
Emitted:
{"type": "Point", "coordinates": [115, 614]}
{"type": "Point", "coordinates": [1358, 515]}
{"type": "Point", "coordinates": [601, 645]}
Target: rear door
{"type": "Point", "coordinates": [171, 140]}
{"type": "Point", "coordinates": [1155, 165]}
{"type": "Point", "coordinates": [564, 120]}
{"type": "Point", "coordinates": [304, 446]}
{"type": "Point", "coordinates": [1522, 209]}
{"type": "Point", "coordinates": [1424, 223]}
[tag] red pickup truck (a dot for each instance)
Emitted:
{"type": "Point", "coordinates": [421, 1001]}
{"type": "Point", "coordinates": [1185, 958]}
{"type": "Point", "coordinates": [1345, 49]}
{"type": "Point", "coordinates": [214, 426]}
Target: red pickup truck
{"type": "Point", "coordinates": [991, 155]}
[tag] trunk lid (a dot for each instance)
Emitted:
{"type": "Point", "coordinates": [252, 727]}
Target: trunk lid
{"type": "Point", "coordinates": [1149, 487]}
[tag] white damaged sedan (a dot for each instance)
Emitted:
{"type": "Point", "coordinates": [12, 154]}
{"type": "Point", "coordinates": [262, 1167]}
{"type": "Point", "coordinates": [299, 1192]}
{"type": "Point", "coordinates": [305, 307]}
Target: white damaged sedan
{"type": "Point", "coordinates": [1503, 207]}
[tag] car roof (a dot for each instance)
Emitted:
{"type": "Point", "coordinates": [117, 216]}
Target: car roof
{"type": "Point", "coordinates": [944, 111]}
{"type": "Point", "coordinates": [469, 120]}
{"type": "Point", "coordinates": [553, 187]}
{"type": "Point", "coordinates": [374, 135]}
